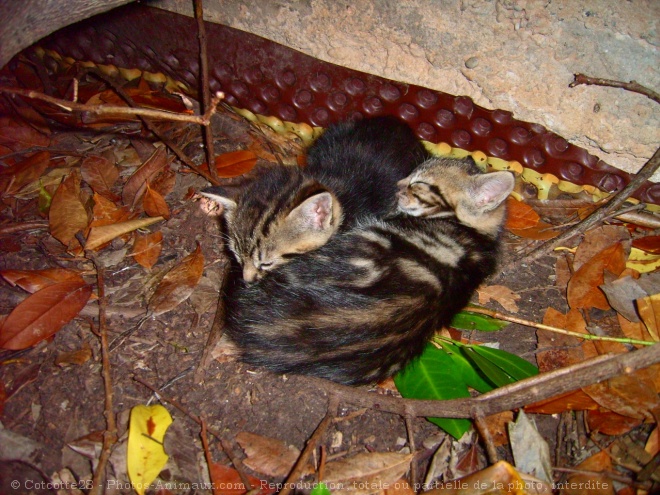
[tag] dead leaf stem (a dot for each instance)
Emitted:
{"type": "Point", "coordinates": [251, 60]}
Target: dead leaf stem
{"type": "Point", "coordinates": [541, 326]}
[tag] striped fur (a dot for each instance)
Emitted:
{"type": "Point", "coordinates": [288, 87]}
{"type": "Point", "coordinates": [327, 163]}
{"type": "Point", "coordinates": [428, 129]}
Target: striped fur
{"type": "Point", "coordinates": [351, 173]}
{"type": "Point", "coordinates": [364, 304]}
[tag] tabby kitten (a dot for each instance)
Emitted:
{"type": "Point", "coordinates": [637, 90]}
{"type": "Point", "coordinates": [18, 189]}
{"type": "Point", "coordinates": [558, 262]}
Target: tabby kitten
{"type": "Point", "coordinates": [351, 173]}
{"type": "Point", "coordinates": [359, 308]}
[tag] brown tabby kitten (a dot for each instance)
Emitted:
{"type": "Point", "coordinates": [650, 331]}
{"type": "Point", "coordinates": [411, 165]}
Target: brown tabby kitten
{"type": "Point", "coordinates": [351, 173]}
{"type": "Point", "coordinates": [360, 307]}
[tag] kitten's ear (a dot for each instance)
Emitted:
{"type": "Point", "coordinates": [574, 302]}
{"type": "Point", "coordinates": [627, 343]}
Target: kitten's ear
{"type": "Point", "coordinates": [224, 196]}
{"type": "Point", "coordinates": [316, 213]}
{"type": "Point", "coordinates": [490, 190]}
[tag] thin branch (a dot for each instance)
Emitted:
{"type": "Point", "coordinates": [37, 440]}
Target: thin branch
{"type": "Point", "coordinates": [634, 86]}
{"type": "Point", "coordinates": [597, 216]}
{"type": "Point", "coordinates": [204, 89]}
{"type": "Point", "coordinates": [313, 441]}
{"type": "Point", "coordinates": [153, 129]}
{"type": "Point", "coordinates": [515, 395]}
{"type": "Point", "coordinates": [541, 326]}
{"type": "Point", "coordinates": [482, 427]}
{"type": "Point", "coordinates": [72, 106]}
{"type": "Point", "coordinates": [19, 227]}
{"type": "Point", "coordinates": [110, 433]}
{"type": "Point", "coordinates": [410, 430]}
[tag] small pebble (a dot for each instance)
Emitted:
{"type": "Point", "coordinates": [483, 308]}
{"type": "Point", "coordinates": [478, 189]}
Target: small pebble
{"type": "Point", "coordinates": [471, 62]}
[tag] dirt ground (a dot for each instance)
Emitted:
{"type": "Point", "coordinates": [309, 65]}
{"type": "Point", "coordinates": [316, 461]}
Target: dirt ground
{"type": "Point", "coordinates": [50, 408]}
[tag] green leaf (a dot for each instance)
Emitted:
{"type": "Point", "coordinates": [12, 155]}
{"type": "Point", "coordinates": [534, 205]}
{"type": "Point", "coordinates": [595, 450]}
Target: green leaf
{"type": "Point", "coordinates": [434, 376]}
{"type": "Point", "coordinates": [469, 373]}
{"type": "Point", "coordinates": [495, 374]}
{"type": "Point", "coordinates": [320, 489]}
{"type": "Point", "coordinates": [513, 365]}
{"type": "Point", "coordinates": [465, 320]}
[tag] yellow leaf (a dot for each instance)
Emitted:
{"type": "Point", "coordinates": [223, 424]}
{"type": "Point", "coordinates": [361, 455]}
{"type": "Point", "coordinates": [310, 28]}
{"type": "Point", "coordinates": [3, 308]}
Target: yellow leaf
{"type": "Point", "coordinates": [146, 456]}
{"type": "Point", "coordinates": [642, 261]}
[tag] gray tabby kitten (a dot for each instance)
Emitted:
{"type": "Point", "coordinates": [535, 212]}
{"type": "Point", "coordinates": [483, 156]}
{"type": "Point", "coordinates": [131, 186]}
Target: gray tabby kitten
{"type": "Point", "coordinates": [363, 305]}
{"type": "Point", "coordinates": [351, 173]}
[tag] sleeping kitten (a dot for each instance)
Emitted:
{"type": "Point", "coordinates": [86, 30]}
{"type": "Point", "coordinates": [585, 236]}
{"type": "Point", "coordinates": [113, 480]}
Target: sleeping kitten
{"type": "Point", "coordinates": [351, 173]}
{"type": "Point", "coordinates": [359, 308]}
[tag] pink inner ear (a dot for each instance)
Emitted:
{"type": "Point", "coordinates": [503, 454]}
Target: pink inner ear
{"type": "Point", "coordinates": [320, 211]}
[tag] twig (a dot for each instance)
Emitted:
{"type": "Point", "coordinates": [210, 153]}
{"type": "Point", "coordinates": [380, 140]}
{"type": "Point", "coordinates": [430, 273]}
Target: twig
{"type": "Point", "coordinates": [634, 86]}
{"type": "Point", "coordinates": [225, 442]}
{"type": "Point", "coordinates": [482, 427]}
{"type": "Point", "coordinates": [410, 430]}
{"type": "Point", "coordinates": [12, 229]}
{"type": "Point", "coordinates": [313, 441]}
{"type": "Point", "coordinates": [204, 89]}
{"type": "Point", "coordinates": [110, 433]}
{"type": "Point", "coordinates": [217, 328]}
{"type": "Point", "coordinates": [515, 395]}
{"type": "Point", "coordinates": [597, 216]}
{"type": "Point", "coordinates": [541, 326]}
{"type": "Point", "coordinates": [71, 106]}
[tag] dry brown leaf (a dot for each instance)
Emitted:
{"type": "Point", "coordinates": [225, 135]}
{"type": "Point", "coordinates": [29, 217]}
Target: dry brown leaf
{"type": "Point", "coordinates": [42, 314]}
{"type": "Point", "coordinates": [177, 284]}
{"type": "Point", "coordinates": [268, 456]}
{"type": "Point", "coordinates": [33, 280]}
{"type": "Point", "coordinates": [235, 163]}
{"type": "Point", "coordinates": [558, 350]}
{"type": "Point", "coordinates": [154, 204]}
{"type": "Point", "coordinates": [650, 244]}
{"type": "Point", "coordinates": [610, 423]}
{"type": "Point", "coordinates": [99, 236]}
{"type": "Point", "coordinates": [583, 288]}
{"type": "Point", "coordinates": [571, 401]}
{"type": "Point", "coordinates": [100, 174]}
{"type": "Point", "coordinates": [67, 215]}
{"type": "Point", "coordinates": [80, 356]}
{"type": "Point", "coordinates": [499, 479]}
{"type": "Point", "coordinates": [18, 136]}
{"type": "Point", "coordinates": [653, 443]}
{"type": "Point", "coordinates": [137, 183]}
{"type": "Point", "coordinates": [598, 239]}
{"type": "Point", "coordinates": [631, 395]}
{"type": "Point", "coordinates": [229, 482]}
{"type": "Point", "coordinates": [598, 485]}
{"type": "Point", "coordinates": [25, 172]}
{"type": "Point", "coordinates": [520, 215]}
{"type": "Point", "coordinates": [401, 487]}
{"type": "Point", "coordinates": [164, 182]}
{"type": "Point", "coordinates": [147, 247]}
{"type": "Point", "coordinates": [105, 212]}
{"type": "Point", "coordinates": [366, 473]}
{"type": "Point", "coordinates": [649, 311]}
{"type": "Point", "coordinates": [501, 294]}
